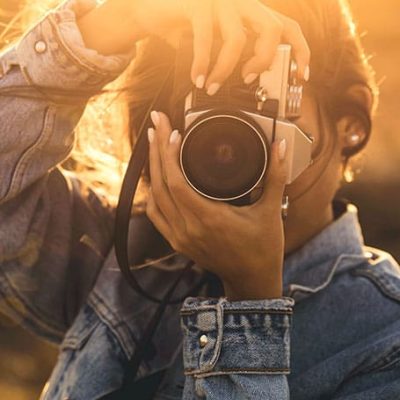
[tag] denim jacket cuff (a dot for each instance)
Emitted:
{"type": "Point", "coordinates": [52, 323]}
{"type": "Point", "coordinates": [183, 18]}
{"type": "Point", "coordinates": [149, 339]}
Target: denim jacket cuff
{"type": "Point", "coordinates": [245, 337]}
{"type": "Point", "coordinates": [53, 53]}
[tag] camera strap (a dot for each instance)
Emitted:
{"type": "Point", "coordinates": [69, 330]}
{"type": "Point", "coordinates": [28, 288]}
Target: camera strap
{"type": "Point", "coordinates": [129, 187]}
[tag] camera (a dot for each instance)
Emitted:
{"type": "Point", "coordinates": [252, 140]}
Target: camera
{"type": "Point", "coordinates": [225, 151]}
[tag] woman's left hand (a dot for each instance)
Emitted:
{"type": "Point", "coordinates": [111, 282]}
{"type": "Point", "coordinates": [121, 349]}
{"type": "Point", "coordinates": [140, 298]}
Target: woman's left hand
{"type": "Point", "coordinates": [243, 246]}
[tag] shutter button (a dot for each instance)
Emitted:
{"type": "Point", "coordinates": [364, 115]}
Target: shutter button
{"type": "Point", "coordinates": [203, 340]}
{"type": "Point", "coordinates": [40, 47]}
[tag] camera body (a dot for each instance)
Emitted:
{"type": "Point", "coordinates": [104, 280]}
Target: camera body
{"type": "Point", "coordinates": [226, 146]}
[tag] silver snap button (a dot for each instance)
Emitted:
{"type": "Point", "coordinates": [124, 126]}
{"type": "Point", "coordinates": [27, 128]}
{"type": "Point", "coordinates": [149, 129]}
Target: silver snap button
{"type": "Point", "coordinates": [203, 340]}
{"type": "Point", "coordinates": [40, 46]}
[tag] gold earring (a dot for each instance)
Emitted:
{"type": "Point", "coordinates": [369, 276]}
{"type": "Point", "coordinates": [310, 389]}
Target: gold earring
{"type": "Point", "coordinates": [353, 167]}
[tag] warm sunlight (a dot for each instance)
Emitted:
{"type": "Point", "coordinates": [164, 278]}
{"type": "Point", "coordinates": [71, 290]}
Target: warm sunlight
{"type": "Point", "coordinates": [97, 156]}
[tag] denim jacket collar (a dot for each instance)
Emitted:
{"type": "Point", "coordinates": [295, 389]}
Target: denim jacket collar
{"type": "Point", "coordinates": [337, 248]}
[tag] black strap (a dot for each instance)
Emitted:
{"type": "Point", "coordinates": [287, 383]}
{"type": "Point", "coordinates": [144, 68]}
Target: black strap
{"type": "Point", "coordinates": [123, 217]}
{"type": "Point", "coordinates": [128, 191]}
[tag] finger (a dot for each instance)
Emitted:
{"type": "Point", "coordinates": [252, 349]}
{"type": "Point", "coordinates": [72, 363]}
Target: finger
{"type": "Point", "coordinates": [275, 182]}
{"type": "Point", "coordinates": [270, 34]}
{"type": "Point", "coordinates": [188, 201]}
{"type": "Point", "coordinates": [234, 40]}
{"type": "Point", "coordinates": [202, 25]}
{"type": "Point", "coordinates": [157, 218]}
{"type": "Point", "coordinates": [269, 28]}
{"type": "Point", "coordinates": [160, 191]}
{"type": "Point", "coordinates": [169, 143]}
{"type": "Point", "coordinates": [163, 132]}
{"type": "Point", "coordinates": [293, 35]}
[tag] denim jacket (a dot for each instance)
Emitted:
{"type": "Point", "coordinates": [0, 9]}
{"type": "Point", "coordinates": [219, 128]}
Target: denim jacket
{"type": "Point", "coordinates": [336, 334]}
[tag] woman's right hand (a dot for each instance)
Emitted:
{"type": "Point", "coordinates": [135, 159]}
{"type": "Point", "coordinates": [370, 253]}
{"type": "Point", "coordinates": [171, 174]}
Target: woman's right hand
{"type": "Point", "coordinates": [118, 23]}
{"type": "Point", "coordinates": [161, 17]}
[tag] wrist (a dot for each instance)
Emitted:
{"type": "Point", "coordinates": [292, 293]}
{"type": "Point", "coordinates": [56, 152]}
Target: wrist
{"type": "Point", "coordinates": [260, 287]}
{"type": "Point", "coordinates": [111, 28]}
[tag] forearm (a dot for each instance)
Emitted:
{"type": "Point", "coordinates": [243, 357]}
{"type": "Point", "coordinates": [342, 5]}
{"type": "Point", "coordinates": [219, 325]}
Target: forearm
{"type": "Point", "coordinates": [111, 28]}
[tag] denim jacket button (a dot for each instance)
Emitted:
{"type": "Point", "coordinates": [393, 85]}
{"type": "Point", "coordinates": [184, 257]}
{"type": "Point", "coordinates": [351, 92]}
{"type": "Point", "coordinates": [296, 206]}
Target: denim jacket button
{"type": "Point", "coordinates": [40, 46]}
{"type": "Point", "coordinates": [203, 340]}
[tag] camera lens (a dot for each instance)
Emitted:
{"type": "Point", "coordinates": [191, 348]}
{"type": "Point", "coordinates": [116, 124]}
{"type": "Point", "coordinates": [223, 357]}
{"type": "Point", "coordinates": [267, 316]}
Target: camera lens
{"type": "Point", "coordinates": [224, 156]}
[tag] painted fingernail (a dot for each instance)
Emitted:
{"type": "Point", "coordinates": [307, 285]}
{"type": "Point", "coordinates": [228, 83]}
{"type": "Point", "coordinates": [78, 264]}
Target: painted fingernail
{"type": "Point", "coordinates": [155, 117]}
{"type": "Point", "coordinates": [174, 137]}
{"type": "Point", "coordinates": [200, 81]}
{"type": "Point", "coordinates": [250, 78]}
{"type": "Point", "coordinates": [213, 89]}
{"type": "Point", "coordinates": [282, 149]}
{"type": "Point", "coordinates": [307, 73]}
{"type": "Point", "coordinates": [150, 134]}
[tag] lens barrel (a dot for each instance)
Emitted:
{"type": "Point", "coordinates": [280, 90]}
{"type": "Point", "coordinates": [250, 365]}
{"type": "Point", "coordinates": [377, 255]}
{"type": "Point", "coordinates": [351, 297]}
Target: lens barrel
{"type": "Point", "coordinates": [224, 155]}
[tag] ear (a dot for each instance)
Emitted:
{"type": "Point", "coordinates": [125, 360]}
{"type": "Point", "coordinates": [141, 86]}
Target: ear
{"type": "Point", "coordinates": [350, 128]}
{"type": "Point", "coordinates": [351, 133]}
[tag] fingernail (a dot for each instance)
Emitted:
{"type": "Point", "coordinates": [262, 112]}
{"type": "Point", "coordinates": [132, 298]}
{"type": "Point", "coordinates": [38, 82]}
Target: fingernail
{"type": "Point", "coordinates": [155, 117]}
{"type": "Point", "coordinates": [200, 81]}
{"type": "Point", "coordinates": [174, 137]}
{"type": "Point", "coordinates": [307, 73]}
{"type": "Point", "coordinates": [150, 134]}
{"type": "Point", "coordinates": [213, 89]}
{"type": "Point", "coordinates": [250, 78]}
{"type": "Point", "coordinates": [282, 149]}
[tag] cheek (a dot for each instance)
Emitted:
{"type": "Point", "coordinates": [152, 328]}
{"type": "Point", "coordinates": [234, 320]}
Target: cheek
{"type": "Point", "coordinates": [319, 183]}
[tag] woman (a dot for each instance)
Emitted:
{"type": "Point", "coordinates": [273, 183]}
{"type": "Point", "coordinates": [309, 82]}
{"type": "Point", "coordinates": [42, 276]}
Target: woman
{"type": "Point", "coordinates": [341, 337]}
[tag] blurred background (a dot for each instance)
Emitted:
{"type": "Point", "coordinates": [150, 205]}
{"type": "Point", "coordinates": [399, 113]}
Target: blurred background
{"type": "Point", "coordinates": [26, 362]}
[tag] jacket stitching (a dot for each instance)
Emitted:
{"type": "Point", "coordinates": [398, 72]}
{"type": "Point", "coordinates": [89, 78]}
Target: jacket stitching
{"type": "Point", "coordinates": [385, 362]}
{"type": "Point", "coordinates": [37, 317]}
{"type": "Point", "coordinates": [224, 371]}
{"type": "Point", "coordinates": [22, 163]}
{"type": "Point", "coordinates": [208, 365]}
{"type": "Point", "coordinates": [376, 367]}
{"type": "Point", "coordinates": [330, 276]}
{"type": "Point", "coordinates": [242, 312]}
{"type": "Point", "coordinates": [115, 326]}
{"type": "Point", "coordinates": [380, 282]}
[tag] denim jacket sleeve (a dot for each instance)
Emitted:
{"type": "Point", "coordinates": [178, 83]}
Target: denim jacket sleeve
{"type": "Point", "coordinates": [46, 266]}
{"type": "Point", "coordinates": [236, 350]}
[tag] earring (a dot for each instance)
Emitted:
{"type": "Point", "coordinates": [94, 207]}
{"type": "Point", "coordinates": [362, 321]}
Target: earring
{"type": "Point", "coordinates": [353, 167]}
{"type": "Point", "coordinates": [353, 139]}
{"type": "Point", "coordinates": [285, 207]}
